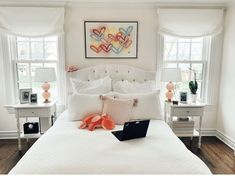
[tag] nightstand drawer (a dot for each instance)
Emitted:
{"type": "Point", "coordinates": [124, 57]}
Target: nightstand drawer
{"type": "Point", "coordinates": [188, 111]}
{"type": "Point", "coordinates": [34, 112]}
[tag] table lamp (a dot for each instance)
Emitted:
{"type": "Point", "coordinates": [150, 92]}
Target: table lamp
{"type": "Point", "coordinates": [45, 75]}
{"type": "Point", "coordinates": [170, 75]}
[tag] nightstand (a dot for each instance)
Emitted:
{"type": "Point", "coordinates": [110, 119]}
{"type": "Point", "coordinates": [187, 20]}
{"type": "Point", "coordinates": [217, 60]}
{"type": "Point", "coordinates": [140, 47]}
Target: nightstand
{"type": "Point", "coordinates": [44, 111]}
{"type": "Point", "coordinates": [185, 110]}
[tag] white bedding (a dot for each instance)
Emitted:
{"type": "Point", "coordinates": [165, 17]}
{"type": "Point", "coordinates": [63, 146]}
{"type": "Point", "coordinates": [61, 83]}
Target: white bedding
{"type": "Point", "coordinates": [65, 149]}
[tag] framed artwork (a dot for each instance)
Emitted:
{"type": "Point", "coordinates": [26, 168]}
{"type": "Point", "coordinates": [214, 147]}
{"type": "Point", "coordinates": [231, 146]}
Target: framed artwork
{"type": "Point", "coordinates": [183, 97]}
{"type": "Point", "coordinates": [25, 95]}
{"type": "Point", "coordinates": [111, 39]}
{"type": "Point", "coordinates": [33, 98]}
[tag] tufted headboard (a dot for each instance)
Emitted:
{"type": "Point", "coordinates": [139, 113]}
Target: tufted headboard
{"type": "Point", "coordinates": [115, 71]}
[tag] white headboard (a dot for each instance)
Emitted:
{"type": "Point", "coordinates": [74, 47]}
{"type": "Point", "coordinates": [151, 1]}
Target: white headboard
{"type": "Point", "coordinates": [115, 71]}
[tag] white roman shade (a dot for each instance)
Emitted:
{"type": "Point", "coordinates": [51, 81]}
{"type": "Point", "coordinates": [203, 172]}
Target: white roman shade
{"type": "Point", "coordinates": [190, 22]}
{"type": "Point", "coordinates": [32, 21]}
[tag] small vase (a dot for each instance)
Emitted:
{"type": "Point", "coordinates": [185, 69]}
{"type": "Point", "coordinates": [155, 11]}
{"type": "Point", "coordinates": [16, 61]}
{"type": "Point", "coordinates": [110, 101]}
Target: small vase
{"type": "Point", "coordinates": [193, 98]}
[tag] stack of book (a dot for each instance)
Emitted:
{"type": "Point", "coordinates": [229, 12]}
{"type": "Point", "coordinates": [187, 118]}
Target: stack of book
{"type": "Point", "coordinates": [182, 127]}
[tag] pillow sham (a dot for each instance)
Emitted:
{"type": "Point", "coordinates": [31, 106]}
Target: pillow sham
{"type": "Point", "coordinates": [148, 105]}
{"type": "Point", "coordinates": [98, 86]}
{"type": "Point", "coordinates": [81, 105]}
{"type": "Point", "coordinates": [133, 87]}
{"type": "Point", "coordinates": [118, 109]}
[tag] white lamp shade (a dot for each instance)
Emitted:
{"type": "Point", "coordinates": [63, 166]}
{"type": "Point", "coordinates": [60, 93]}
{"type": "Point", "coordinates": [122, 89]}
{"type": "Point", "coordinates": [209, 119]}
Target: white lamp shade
{"type": "Point", "coordinates": [171, 74]}
{"type": "Point", "coordinates": [45, 74]}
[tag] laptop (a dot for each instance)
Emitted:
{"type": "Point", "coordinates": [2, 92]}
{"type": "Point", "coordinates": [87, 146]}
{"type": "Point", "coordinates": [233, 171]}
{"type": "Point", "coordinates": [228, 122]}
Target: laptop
{"type": "Point", "coordinates": [132, 130]}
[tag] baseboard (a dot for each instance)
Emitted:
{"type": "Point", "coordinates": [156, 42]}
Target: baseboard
{"type": "Point", "coordinates": [8, 134]}
{"type": "Point", "coordinates": [208, 132]}
{"type": "Point", "coordinates": [226, 139]}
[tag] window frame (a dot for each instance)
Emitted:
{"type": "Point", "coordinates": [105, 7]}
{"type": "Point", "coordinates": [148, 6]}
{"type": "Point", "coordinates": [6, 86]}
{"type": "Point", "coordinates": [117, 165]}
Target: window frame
{"type": "Point", "coordinates": [204, 62]}
{"type": "Point", "coordinates": [31, 61]}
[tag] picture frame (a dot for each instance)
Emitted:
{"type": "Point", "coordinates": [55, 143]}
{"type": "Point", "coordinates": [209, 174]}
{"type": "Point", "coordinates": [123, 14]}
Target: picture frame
{"type": "Point", "coordinates": [183, 97]}
{"type": "Point", "coordinates": [111, 39]}
{"type": "Point", "coordinates": [33, 98]}
{"type": "Point", "coordinates": [25, 95]}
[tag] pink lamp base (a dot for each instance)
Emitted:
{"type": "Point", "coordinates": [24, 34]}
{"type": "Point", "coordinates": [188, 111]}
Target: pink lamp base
{"type": "Point", "coordinates": [169, 94]}
{"type": "Point", "coordinates": [46, 95]}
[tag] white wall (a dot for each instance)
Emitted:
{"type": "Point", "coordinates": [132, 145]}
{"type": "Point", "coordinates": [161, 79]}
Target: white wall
{"type": "Point", "coordinates": [74, 43]}
{"type": "Point", "coordinates": [74, 33]}
{"type": "Point", "coordinates": [226, 110]}
{"type": "Point", "coordinates": [147, 18]}
{"type": "Point", "coordinates": [75, 54]}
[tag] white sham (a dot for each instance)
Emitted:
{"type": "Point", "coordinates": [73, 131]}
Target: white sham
{"type": "Point", "coordinates": [98, 86]}
{"type": "Point", "coordinates": [133, 87]}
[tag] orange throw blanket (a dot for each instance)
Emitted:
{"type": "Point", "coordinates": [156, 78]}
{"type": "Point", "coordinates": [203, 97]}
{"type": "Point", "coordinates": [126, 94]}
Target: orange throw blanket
{"type": "Point", "coordinates": [96, 120]}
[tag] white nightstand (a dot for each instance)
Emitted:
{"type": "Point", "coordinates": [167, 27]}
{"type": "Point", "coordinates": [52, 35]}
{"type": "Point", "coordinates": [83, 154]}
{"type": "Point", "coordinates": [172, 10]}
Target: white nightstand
{"type": "Point", "coordinates": [185, 110]}
{"type": "Point", "coordinates": [45, 112]}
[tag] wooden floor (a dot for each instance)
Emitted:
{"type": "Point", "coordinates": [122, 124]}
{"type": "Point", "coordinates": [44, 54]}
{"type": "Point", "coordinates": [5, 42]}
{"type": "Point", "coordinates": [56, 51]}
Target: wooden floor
{"type": "Point", "coordinates": [217, 156]}
{"type": "Point", "coordinates": [9, 154]}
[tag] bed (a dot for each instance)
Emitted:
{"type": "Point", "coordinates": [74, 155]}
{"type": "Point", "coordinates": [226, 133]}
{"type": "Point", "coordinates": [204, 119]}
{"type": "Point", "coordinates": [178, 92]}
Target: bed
{"type": "Point", "coordinates": [65, 149]}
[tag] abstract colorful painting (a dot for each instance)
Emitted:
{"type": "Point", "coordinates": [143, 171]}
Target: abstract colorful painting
{"type": "Point", "coordinates": [111, 39]}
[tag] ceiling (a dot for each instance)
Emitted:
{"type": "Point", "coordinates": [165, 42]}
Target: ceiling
{"type": "Point", "coordinates": [161, 2]}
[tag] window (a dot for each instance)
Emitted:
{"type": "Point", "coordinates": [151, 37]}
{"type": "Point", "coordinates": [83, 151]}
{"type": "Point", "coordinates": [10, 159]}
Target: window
{"type": "Point", "coordinates": [188, 55]}
{"type": "Point", "coordinates": [31, 54]}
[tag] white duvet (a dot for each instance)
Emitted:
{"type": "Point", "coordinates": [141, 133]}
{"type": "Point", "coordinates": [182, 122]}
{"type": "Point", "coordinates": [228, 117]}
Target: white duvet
{"type": "Point", "coordinates": [65, 149]}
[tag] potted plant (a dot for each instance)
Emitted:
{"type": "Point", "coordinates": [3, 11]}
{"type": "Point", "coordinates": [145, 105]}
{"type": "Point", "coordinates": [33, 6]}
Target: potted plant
{"type": "Point", "coordinates": [193, 86]}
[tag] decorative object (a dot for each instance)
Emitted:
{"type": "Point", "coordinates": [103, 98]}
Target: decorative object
{"type": "Point", "coordinates": [111, 39]}
{"type": "Point", "coordinates": [183, 97]}
{"type": "Point", "coordinates": [96, 120]}
{"type": "Point", "coordinates": [72, 68]}
{"type": "Point", "coordinates": [171, 75]}
{"type": "Point", "coordinates": [25, 95]}
{"type": "Point", "coordinates": [31, 127]}
{"type": "Point", "coordinates": [33, 98]}
{"type": "Point", "coordinates": [193, 98]}
{"type": "Point", "coordinates": [175, 102]}
{"type": "Point", "coordinates": [193, 86]}
{"type": "Point", "coordinates": [183, 118]}
{"type": "Point", "coordinates": [119, 109]}
{"type": "Point", "coordinates": [46, 75]}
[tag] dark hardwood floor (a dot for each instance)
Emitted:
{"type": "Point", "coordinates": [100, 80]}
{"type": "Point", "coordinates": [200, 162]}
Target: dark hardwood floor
{"type": "Point", "coordinates": [9, 154]}
{"type": "Point", "coordinates": [218, 157]}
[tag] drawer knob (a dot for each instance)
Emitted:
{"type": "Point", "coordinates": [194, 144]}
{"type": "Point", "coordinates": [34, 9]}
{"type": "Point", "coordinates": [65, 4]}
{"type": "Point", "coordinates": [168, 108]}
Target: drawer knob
{"type": "Point", "coordinates": [187, 111]}
{"type": "Point", "coordinates": [32, 112]}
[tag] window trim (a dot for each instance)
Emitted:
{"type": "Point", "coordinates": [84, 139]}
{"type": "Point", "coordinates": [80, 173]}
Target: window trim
{"type": "Point", "coordinates": [31, 61]}
{"type": "Point", "coordinates": [204, 62]}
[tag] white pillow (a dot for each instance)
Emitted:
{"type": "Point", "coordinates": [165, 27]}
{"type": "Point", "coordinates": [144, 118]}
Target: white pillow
{"type": "Point", "coordinates": [98, 86]}
{"type": "Point", "coordinates": [133, 87]}
{"type": "Point", "coordinates": [81, 105]}
{"type": "Point", "coordinates": [148, 105]}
